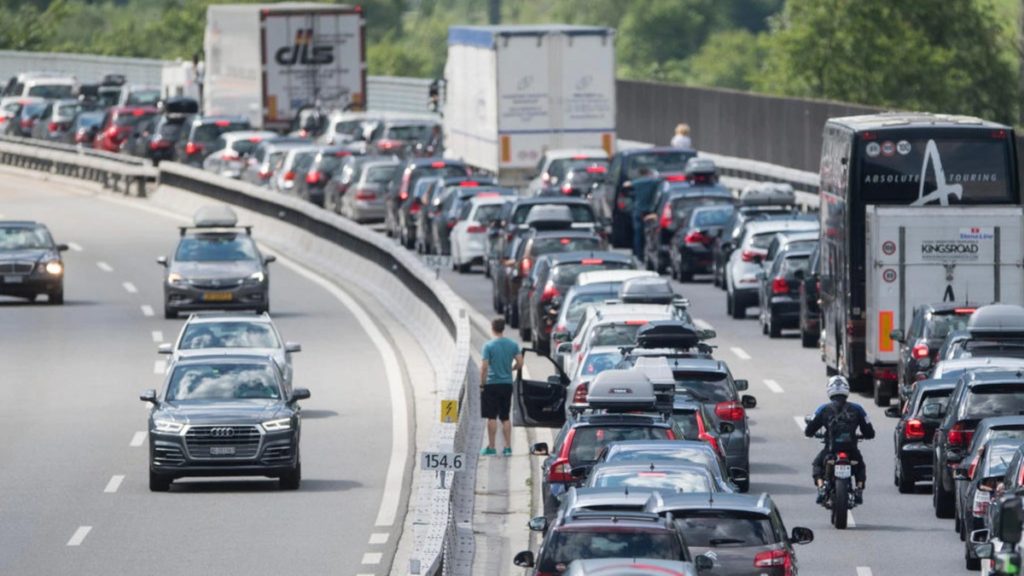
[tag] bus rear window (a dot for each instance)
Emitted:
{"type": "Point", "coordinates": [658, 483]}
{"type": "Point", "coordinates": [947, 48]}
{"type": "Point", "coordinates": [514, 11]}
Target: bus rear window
{"type": "Point", "coordinates": [931, 171]}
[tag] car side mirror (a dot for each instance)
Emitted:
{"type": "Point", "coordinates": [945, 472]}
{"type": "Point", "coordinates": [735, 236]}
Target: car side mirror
{"type": "Point", "coordinates": [808, 419]}
{"type": "Point", "coordinates": [726, 427]}
{"type": "Point", "coordinates": [1007, 520]}
{"type": "Point", "coordinates": [62, 247]}
{"type": "Point", "coordinates": [292, 347]}
{"type": "Point", "coordinates": [162, 260]}
{"type": "Point", "coordinates": [748, 401]}
{"type": "Point", "coordinates": [742, 385]}
{"type": "Point", "coordinates": [983, 550]}
{"type": "Point", "coordinates": [540, 449]}
{"type": "Point", "coordinates": [148, 396]}
{"type": "Point", "coordinates": [961, 473]}
{"type": "Point", "coordinates": [165, 348]}
{"type": "Point", "coordinates": [538, 524]}
{"type": "Point", "coordinates": [896, 335]}
{"type": "Point", "coordinates": [299, 394]}
{"type": "Point", "coordinates": [931, 411]}
{"type": "Point", "coordinates": [564, 348]}
{"type": "Point", "coordinates": [524, 559]}
{"type": "Point", "coordinates": [802, 535]}
{"type": "Point", "coordinates": [269, 259]}
{"type": "Point", "coordinates": [703, 563]}
{"type": "Point", "coordinates": [738, 475]}
{"type": "Point", "coordinates": [893, 412]}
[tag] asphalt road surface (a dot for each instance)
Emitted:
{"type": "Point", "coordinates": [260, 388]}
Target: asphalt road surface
{"type": "Point", "coordinates": [74, 497]}
{"type": "Point", "coordinates": [891, 534]}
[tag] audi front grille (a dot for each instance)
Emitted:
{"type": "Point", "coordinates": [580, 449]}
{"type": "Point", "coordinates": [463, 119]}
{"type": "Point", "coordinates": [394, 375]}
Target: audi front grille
{"type": "Point", "coordinates": [206, 441]}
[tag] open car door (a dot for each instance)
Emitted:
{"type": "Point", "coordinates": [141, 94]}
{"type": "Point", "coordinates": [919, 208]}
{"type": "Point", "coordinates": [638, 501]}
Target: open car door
{"type": "Point", "coordinates": [539, 403]}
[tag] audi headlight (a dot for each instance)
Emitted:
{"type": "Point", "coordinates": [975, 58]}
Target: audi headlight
{"type": "Point", "coordinates": [53, 267]}
{"type": "Point", "coordinates": [278, 425]}
{"type": "Point", "coordinates": [167, 426]}
{"type": "Point", "coordinates": [257, 277]}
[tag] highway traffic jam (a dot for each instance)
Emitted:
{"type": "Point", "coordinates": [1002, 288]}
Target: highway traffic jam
{"type": "Point", "coordinates": [903, 274]}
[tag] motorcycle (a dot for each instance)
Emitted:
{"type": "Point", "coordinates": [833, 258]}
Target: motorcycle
{"type": "Point", "coordinates": [839, 483]}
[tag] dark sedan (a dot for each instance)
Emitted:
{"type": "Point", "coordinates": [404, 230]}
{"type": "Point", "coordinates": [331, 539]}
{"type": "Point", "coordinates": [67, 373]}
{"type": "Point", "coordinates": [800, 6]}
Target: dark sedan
{"type": "Point", "coordinates": [779, 298]}
{"type": "Point", "coordinates": [690, 247]}
{"type": "Point", "coordinates": [674, 203]}
{"type": "Point", "coordinates": [404, 183]}
{"type": "Point", "coordinates": [810, 310]}
{"type": "Point", "coordinates": [975, 486]}
{"type": "Point", "coordinates": [194, 147]}
{"type": "Point", "coordinates": [433, 232]}
{"type": "Point", "coordinates": [929, 326]}
{"type": "Point", "coordinates": [30, 262]}
{"type": "Point", "coordinates": [225, 415]}
{"type": "Point", "coordinates": [325, 164]}
{"type": "Point", "coordinates": [914, 433]}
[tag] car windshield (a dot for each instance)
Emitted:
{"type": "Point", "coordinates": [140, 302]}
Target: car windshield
{"type": "Point", "coordinates": [108, 96]}
{"type": "Point", "coordinates": [578, 305]}
{"type": "Point", "coordinates": [619, 334]}
{"type": "Point", "coordinates": [170, 131]}
{"type": "Point", "coordinates": [228, 335]}
{"type": "Point", "coordinates": [599, 362]}
{"type": "Point", "coordinates": [676, 480]}
{"type": "Point", "coordinates": [792, 264]}
{"type": "Point", "coordinates": [566, 274]}
{"type": "Point", "coordinates": [552, 245]}
{"type": "Point", "coordinates": [87, 120]}
{"type": "Point", "coordinates": [350, 127]}
{"type": "Point", "coordinates": [51, 91]}
{"type": "Point", "coordinates": [994, 400]}
{"type": "Point", "coordinates": [706, 386]}
{"type": "Point", "coordinates": [566, 546]}
{"type": "Point", "coordinates": [580, 213]}
{"type": "Point", "coordinates": [147, 97]}
{"type": "Point", "coordinates": [380, 174]}
{"type": "Point", "coordinates": [24, 238]}
{"type": "Point", "coordinates": [712, 217]}
{"type": "Point", "coordinates": [713, 529]}
{"type": "Point", "coordinates": [216, 248]}
{"type": "Point", "coordinates": [223, 382]}
{"type": "Point", "coordinates": [66, 111]}
{"type": "Point", "coordinates": [763, 240]}
{"type": "Point", "coordinates": [414, 133]}
{"type": "Point", "coordinates": [588, 441]}
{"type": "Point", "coordinates": [940, 325]}
{"type": "Point", "coordinates": [133, 118]}
{"type": "Point", "coordinates": [660, 162]}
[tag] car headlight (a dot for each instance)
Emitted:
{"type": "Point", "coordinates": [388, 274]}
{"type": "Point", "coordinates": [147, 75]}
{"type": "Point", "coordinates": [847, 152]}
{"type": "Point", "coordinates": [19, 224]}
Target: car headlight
{"type": "Point", "coordinates": [168, 426]}
{"type": "Point", "coordinates": [174, 278]}
{"type": "Point", "coordinates": [257, 277]}
{"type": "Point", "coordinates": [278, 425]}
{"type": "Point", "coordinates": [53, 267]}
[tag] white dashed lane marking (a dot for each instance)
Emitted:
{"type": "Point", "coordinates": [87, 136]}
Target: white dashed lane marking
{"type": "Point", "coordinates": [104, 266]}
{"type": "Point", "coordinates": [774, 386]}
{"type": "Point", "coordinates": [75, 247]}
{"type": "Point", "coordinates": [800, 422]}
{"type": "Point", "coordinates": [863, 571]}
{"type": "Point", "coordinates": [137, 439]}
{"type": "Point", "coordinates": [372, 558]}
{"type": "Point", "coordinates": [147, 310]}
{"type": "Point", "coordinates": [740, 353]}
{"type": "Point", "coordinates": [379, 538]}
{"type": "Point", "coordinates": [79, 536]}
{"type": "Point", "coordinates": [130, 288]}
{"type": "Point", "coordinates": [158, 336]}
{"type": "Point", "coordinates": [114, 484]}
{"type": "Point", "coordinates": [159, 366]}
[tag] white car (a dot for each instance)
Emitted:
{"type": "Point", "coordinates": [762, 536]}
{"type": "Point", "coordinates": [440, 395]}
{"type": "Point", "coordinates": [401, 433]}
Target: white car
{"type": "Point", "coordinates": [232, 333]}
{"type": "Point", "coordinates": [597, 360]}
{"type": "Point", "coordinates": [229, 151]}
{"type": "Point", "coordinates": [618, 276]}
{"type": "Point", "coordinates": [555, 164]}
{"type": "Point", "coordinates": [469, 235]}
{"type": "Point", "coordinates": [284, 176]}
{"type": "Point", "coordinates": [615, 324]}
{"type": "Point", "coordinates": [741, 281]}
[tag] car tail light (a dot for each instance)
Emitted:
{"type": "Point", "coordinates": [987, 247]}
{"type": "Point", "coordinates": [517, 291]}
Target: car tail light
{"type": "Point", "coordinates": [621, 204]}
{"type": "Point", "coordinates": [53, 126]}
{"type": "Point", "coordinates": [675, 178]}
{"type": "Point", "coordinates": [415, 208]}
{"type": "Point", "coordinates": [265, 174]}
{"type": "Point", "coordinates": [636, 322]}
{"type": "Point", "coordinates": [959, 435]}
{"type": "Point", "coordinates": [222, 123]}
{"type": "Point", "coordinates": [389, 144]}
{"type": "Point", "coordinates": [914, 430]}
{"type": "Point", "coordinates": [982, 498]}
{"type": "Point", "coordinates": [596, 170]}
{"type": "Point", "coordinates": [111, 132]}
{"type": "Point", "coordinates": [567, 189]}
{"type": "Point", "coordinates": [591, 261]}
{"type": "Point", "coordinates": [560, 471]}
{"type": "Point", "coordinates": [193, 148]}
{"type": "Point", "coordinates": [780, 286]}
{"type": "Point", "coordinates": [289, 176]}
{"type": "Point", "coordinates": [159, 144]}
{"type": "Point", "coordinates": [580, 395]}
{"type": "Point", "coordinates": [524, 266]}
{"type": "Point", "coordinates": [886, 374]}
{"type": "Point", "coordinates": [920, 351]}
{"type": "Point", "coordinates": [342, 153]}
{"type": "Point", "coordinates": [314, 177]}
{"type": "Point", "coordinates": [365, 194]}
{"type": "Point", "coordinates": [255, 139]}
{"type": "Point", "coordinates": [438, 164]}
{"type": "Point", "coordinates": [750, 255]}
{"type": "Point", "coordinates": [468, 184]}
{"type": "Point", "coordinates": [403, 191]}
{"type": "Point", "coordinates": [773, 558]}
{"type": "Point", "coordinates": [696, 237]}
{"type": "Point", "coordinates": [732, 411]}
{"type": "Point", "coordinates": [666, 217]}
{"type": "Point", "coordinates": [550, 292]}
{"type": "Point", "coordinates": [476, 229]}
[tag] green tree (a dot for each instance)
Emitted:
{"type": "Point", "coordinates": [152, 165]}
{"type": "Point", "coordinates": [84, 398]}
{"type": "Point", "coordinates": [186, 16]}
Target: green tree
{"type": "Point", "coordinates": [656, 35]}
{"type": "Point", "coordinates": [934, 55]}
{"type": "Point", "coordinates": [729, 59]}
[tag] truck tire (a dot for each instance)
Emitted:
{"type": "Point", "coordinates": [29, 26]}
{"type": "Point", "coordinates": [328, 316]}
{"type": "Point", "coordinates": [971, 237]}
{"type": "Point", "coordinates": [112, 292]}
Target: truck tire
{"type": "Point", "coordinates": [882, 394]}
{"type": "Point", "coordinates": [808, 339]}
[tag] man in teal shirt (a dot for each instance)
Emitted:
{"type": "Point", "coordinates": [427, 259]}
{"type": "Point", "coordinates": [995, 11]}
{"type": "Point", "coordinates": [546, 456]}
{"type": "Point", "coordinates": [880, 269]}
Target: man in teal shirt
{"type": "Point", "coordinates": [501, 357]}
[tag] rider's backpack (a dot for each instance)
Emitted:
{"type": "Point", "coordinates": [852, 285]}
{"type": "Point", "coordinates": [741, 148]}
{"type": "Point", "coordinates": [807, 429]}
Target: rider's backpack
{"type": "Point", "coordinates": [843, 426]}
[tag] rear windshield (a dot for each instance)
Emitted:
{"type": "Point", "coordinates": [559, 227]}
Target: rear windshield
{"type": "Point", "coordinates": [448, 171]}
{"type": "Point", "coordinates": [143, 97]}
{"type": "Point", "coordinates": [66, 111]}
{"type": "Point", "coordinates": [380, 174]}
{"type": "Point", "coordinates": [51, 91]}
{"type": "Point", "coordinates": [580, 213]}
{"type": "Point", "coordinates": [568, 244]}
{"type": "Point", "coordinates": [992, 349]}
{"type": "Point", "coordinates": [228, 335]}
{"type": "Point", "coordinates": [563, 165]}
{"type": "Point", "coordinates": [674, 480]}
{"type": "Point", "coordinates": [599, 362]}
{"type": "Point", "coordinates": [687, 422]}
{"type": "Point", "coordinates": [209, 132]}
{"type": "Point", "coordinates": [940, 399]}
{"type": "Point", "coordinates": [578, 305]}
{"type": "Point", "coordinates": [794, 263]}
{"type": "Point", "coordinates": [487, 212]}
{"type": "Point", "coordinates": [762, 241]}
{"type": "Point", "coordinates": [566, 274]}
{"type": "Point", "coordinates": [994, 400]}
{"type": "Point", "coordinates": [133, 119]}
{"type": "Point", "coordinates": [683, 206]}
{"type": "Point", "coordinates": [565, 546]}
{"type": "Point", "coordinates": [706, 386]}
{"type": "Point", "coordinates": [244, 147]}
{"type": "Point", "coordinates": [589, 441]}
{"type": "Point", "coordinates": [659, 161]}
{"type": "Point", "coordinates": [716, 217]}
{"type": "Point", "coordinates": [410, 133]}
{"type": "Point", "coordinates": [711, 529]}
{"type": "Point", "coordinates": [940, 325]}
{"type": "Point", "coordinates": [615, 334]}
{"type": "Point", "coordinates": [999, 456]}
{"type": "Point", "coordinates": [350, 127]}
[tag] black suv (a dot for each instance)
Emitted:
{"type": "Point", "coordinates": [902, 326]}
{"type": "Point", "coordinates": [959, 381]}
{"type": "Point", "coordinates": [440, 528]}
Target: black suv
{"type": "Point", "coordinates": [929, 326]}
{"type": "Point", "coordinates": [915, 432]}
{"type": "Point", "coordinates": [30, 262]}
{"type": "Point", "coordinates": [673, 204]}
{"type": "Point", "coordinates": [194, 146]}
{"type": "Point", "coordinates": [978, 395]}
{"type": "Point", "coordinates": [810, 310]}
{"type": "Point", "coordinates": [225, 415]}
{"type": "Point", "coordinates": [779, 300]}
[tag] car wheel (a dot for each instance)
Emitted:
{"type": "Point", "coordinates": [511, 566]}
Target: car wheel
{"type": "Point", "coordinates": [941, 499]}
{"type": "Point", "coordinates": [170, 313]}
{"type": "Point", "coordinates": [774, 330]}
{"type": "Point", "coordinates": [524, 332]}
{"type": "Point", "coordinates": [882, 396]}
{"type": "Point", "coordinates": [159, 482]}
{"type": "Point", "coordinates": [743, 486]}
{"type": "Point", "coordinates": [292, 479]}
{"type": "Point", "coordinates": [512, 315]}
{"type": "Point", "coordinates": [904, 484]}
{"type": "Point", "coordinates": [56, 298]}
{"type": "Point", "coordinates": [808, 339]}
{"type": "Point", "coordinates": [970, 562]}
{"type": "Point", "coordinates": [728, 304]}
{"type": "Point", "coordinates": [463, 268]}
{"type": "Point", "coordinates": [495, 301]}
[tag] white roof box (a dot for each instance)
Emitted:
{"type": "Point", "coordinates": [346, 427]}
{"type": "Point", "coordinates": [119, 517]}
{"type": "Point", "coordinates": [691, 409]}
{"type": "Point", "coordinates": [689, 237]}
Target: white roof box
{"type": "Point", "coordinates": [770, 194]}
{"type": "Point", "coordinates": [219, 216]}
{"type": "Point", "coordinates": [621, 390]}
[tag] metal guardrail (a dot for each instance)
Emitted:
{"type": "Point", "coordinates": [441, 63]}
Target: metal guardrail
{"type": "Point", "coordinates": [118, 172]}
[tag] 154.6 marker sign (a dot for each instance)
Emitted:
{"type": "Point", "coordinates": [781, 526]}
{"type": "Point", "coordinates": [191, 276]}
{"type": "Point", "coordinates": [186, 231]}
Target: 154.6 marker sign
{"type": "Point", "coordinates": [451, 461]}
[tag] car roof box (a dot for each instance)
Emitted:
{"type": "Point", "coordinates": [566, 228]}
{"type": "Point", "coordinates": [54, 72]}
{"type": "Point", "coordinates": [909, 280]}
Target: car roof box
{"type": "Point", "coordinates": [556, 217]}
{"type": "Point", "coordinates": [178, 106]}
{"type": "Point", "coordinates": [646, 290]}
{"type": "Point", "coordinates": [621, 391]}
{"type": "Point", "coordinates": [768, 195]}
{"type": "Point", "coordinates": [997, 320]}
{"type": "Point", "coordinates": [700, 166]}
{"type": "Point", "coordinates": [217, 216]}
{"type": "Point", "coordinates": [660, 374]}
{"type": "Point", "coordinates": [673, 334]}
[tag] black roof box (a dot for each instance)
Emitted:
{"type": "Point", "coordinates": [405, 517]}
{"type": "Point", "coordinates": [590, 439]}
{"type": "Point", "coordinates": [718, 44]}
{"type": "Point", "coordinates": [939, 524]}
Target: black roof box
{"type": "Point", "coordinates": [700, 166]}
{"type": "Point", "coordinates": [768, 194]}
{"type": "Point", "coordinates": [646, 290]}
{"type": "Point", "coordinates": [622, 391]}
{"type": "Point", "coordinates": [673, 334]}
{"type": "Point", "coordinates": [550, 217]}
{"type": "Point", "coordinates": [997, 320]}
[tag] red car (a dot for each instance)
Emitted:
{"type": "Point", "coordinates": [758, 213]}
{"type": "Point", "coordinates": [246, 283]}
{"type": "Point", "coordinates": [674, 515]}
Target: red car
{"type": "Point", "coordinates": [118, 125]}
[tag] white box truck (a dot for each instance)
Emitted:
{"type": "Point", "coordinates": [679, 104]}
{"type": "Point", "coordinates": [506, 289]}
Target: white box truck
{"type": "Point", "coordinates": [268, 61]}
{"type": "Point", "coordinates": [929, 254]}
{"type": "Point", "coordinates": [514, 92]}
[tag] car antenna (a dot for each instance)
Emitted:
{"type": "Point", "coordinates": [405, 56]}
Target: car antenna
{"type": "Point", "coordinates": [627, 490]}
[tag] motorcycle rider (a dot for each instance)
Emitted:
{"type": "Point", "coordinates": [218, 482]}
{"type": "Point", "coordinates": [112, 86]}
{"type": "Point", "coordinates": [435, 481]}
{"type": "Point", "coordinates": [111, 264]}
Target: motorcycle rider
{"type": "Point", "coordinates": [841, 419]}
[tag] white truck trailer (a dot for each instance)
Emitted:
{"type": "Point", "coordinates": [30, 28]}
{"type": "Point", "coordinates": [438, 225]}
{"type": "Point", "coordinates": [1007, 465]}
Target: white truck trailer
{"type": "Point", "coordinates": [514, 92]}
{"type": "Point", "coordinates": [269, 61]}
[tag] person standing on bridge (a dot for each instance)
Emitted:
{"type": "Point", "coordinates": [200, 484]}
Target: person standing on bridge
{"type": "Point", "coordinates": [501, 358]}
{"type": "Point", "coordinates": [645, 186]}
{"type": "Point", "coordinates": [682, 137]}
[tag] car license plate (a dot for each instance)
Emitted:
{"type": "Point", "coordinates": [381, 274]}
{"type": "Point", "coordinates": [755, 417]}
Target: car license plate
{"type": "Point", "coordinates": [13, 279]}
{"type": "Point", "coordinates": [222, 451]}
{"type": "Point", "coordinates": [218, 296]}
{"type": "Point", "coordinates": [843, 471]}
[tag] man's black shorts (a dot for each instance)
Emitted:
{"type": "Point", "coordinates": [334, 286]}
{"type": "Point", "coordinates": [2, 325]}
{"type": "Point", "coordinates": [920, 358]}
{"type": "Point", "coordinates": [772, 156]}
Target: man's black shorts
{"type": "Point", "coordinates": [496, 401]}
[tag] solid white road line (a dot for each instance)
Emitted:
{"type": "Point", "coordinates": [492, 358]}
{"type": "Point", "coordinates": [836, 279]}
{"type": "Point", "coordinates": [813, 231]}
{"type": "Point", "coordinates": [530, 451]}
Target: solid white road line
{"type": "Point", "coordinates": [863, 571]}
{"type": "Point", "coordinates": [114, 484]}
{"type": "Point", "coordinates": [79, 536]}
{"type": "Point", "coordinates": [399, 410]}
{"type": "Point", "coordinates": [158, 336]}
{"type": "Point", "coordinates": [702, 324]}
{"type": "Point", "coordinates": [774, 386]}
{"type": "Point", "coordinates": [75, 247]}
{"type": "Point", "coordinates": [130, 288]}
{"type": "Point", "coordinates": [147, 310]}
{"type": "Point", "coordinates": [137, 439]}
{"type": "Point", "coordinates": [379, 538]}
{"type": "Point", "coordinates": [740, 352]}
{"type": "Point", "coordinates": [159, 366]}
{"type": "Point", "coordinates": [372, 558]}
{"type": "Point", "coordinates": [104, 266]}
